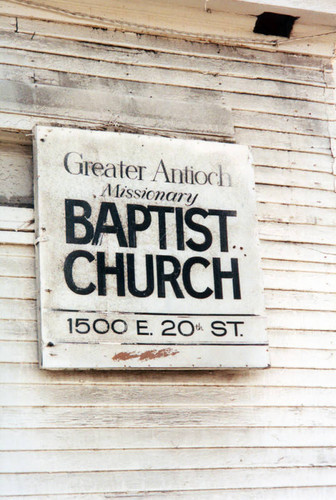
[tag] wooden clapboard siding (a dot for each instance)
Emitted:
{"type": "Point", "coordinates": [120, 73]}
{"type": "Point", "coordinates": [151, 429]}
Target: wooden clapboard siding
{"type": "Point", "coordinates": [115, 439]}
{"type": "Point", "coordinates": [179, 19]}
{"type": "Point", "coordinates": [171, 45]}
{"type": "Point", "coordinates": [166, 396]}
{"type": "Point", "coordinates": [206, 435]}
{"type": "Point", "coordinates": [28, 373]}
{"type": "Point", "coordinates": [224, 65]}
{"type": "Point", "coordinates": [48, 461]}
{"type": "Point", "coordinates": [276, 494]}
{"type": "Point", "coordinates": [171, 416]}
{"type": "Point", "coordinates": [152, 480]}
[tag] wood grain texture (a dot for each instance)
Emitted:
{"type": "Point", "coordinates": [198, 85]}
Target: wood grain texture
{"type": "Point", "coordinates": [28, 373]}
{"type": "Point", "coordinates": [293, 493]}
{"type": "Point", "coordinates": [164, 396]}
{"type": "Point", "coordinates": [152, 480]}
{"type": "Point", "coordinates": [178, 459]}
{"type": "Point", "coordinates": [217, 65]}
{"type": "Point", "coordinates": [201, 417]}
{"type": "Point", "coordinates": [165, 438]}
{"type": "Point", "coordinates": [168, 44]}
{"type": "Point", "coordinates": [194, 22]}
{"type": "Point", "coordinates": [153, 435]}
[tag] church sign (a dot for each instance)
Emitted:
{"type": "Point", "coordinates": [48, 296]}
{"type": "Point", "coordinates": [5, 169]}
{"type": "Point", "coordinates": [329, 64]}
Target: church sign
{"type": "Point", "coordinates": [147, 253]}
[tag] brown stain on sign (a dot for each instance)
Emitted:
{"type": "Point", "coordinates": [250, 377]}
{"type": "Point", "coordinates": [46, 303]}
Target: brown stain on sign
{"type": "Point", "coordinates": [145, 356]}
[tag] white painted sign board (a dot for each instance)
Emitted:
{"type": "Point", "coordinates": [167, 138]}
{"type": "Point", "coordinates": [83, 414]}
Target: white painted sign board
{"type": "Point", "coordinates": [147, 253]}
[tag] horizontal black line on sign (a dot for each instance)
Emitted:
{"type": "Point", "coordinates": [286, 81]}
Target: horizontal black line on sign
{"type": "Point", "coordinates": [150, 344]}
{"type": "Point", "coordinates": [194, 343]}
{"type": "Point", "coordinates": [182, 315]}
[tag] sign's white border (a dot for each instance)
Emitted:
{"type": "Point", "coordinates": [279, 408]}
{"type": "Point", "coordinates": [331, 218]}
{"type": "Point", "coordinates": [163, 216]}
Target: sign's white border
{"type": "Point", "coordinates": [148, 253]}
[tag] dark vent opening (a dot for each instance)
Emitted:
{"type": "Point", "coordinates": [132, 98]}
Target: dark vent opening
{"type": "Point", "coordinates": [270, 23]}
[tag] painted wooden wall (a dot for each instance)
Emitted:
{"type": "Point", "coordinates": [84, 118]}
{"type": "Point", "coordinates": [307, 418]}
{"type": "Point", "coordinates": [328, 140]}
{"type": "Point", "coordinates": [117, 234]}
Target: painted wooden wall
{"type": "Point", "coordinates": [266, 434]}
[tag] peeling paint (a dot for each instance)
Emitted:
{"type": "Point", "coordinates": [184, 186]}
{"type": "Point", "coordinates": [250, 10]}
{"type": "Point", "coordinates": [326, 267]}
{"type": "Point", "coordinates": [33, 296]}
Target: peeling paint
{"type": "Point", "coordinates": [145, 356]}
{"type": "Point", "coordinates": [124, 356]}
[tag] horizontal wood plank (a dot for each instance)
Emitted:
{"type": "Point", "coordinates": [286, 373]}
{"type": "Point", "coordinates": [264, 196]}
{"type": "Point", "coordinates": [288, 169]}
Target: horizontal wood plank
{"type": "Point", "coordinates": [102, 107]}
{"type": "Point", "coordinates": [174, 480]}
{"type": "Point", "coordinates": [278, 123]}
{"type": "Point", "coordinates": [306, 339]}
{"type": "Point", "coordinates": [295, 196]}
{"type": "Point", "coordinates": [29, 373]}
{"type": "Point", "coordinates": [282, 140]}
{"type": "Point", "coordinates": [17, 237]}
{"type": "Point", "coordinates": [16, 179]}
{"type": "Point", "coordinates": [163, 396]}
{"type": "Point", "coordinates": [18, 309]}
{"type": "Point", "coordinates": [301, 320]}
{"type": "Point", "coordinates": [177, 459]}
{"type": "Point", "coordinates": [12, 251]}
{"type": "Point", "coordinates": [238, 30]}
{"type": "Point", "coordinates": [305, 281]}
{"type": "Point", "coordinates": [188, 437]}
{"type": "Point", "coordinates": [301, 493]}
{"type": "Point", "coordinates": [144, 41]}
{"type": "Point", "coordinates": [17, 219]}
{"type": "Point", "coordinates": [160, 75]}
{"type": "Point", "coordinates": [288, 300]}
{"type": "Point", "coordinates": [303, 358]}
{"type": "Point", "coordinates": [295, 178]}
{"type": "Point", "coordinates": [297, 160]}
{"type": "Point", "coordinates": [293, 214]}
{"type": "Point", "coordinates": [142, 57]}
{"type": "Point", "coordinates": [17, 288]}
{"type": "Point", "coordinates": [18, 266]}
{"type": "Point", "coordinates": [298, 252]}
{"type": "Point", "coordinates": [296, 233]}
{"type": "Point", "coordinates": [26, 417]}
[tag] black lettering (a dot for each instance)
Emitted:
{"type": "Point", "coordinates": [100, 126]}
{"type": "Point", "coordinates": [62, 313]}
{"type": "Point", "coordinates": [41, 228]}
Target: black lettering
{"type": "Point", "coordinates": [79, 168]}
{"type": "Point", "coordinates": [71, 220]}
{"type": "Point", "coordinates": [219, 275]}
{"type": "Point", "coordinates": [133, 226]}
{"type": "Point", "coordinates": [187, 279]}
{"type": "Point", "coordinates": [161, 170]}
{"type": "Point", "coordinates": [179, 228]}
{"type": "Point", "coordinates": [235, 323]}
{"type": "Point", "coordinates": [142, 326]}
{"type": "Point", "coordinates": [118, 270]}
{"type": "Point", "coordinates": [205, 177]}
{"type": "Point", "coordinates": [222, 216]}
{"type": "Point", "coordinates": [170, 277]}
{"type": "Point", "coordinates": [195, 226]}
{"type": "Point", "coordinates": [68, 272]}
{"type": "Point", "coordinates": [97, 167]}
{"type": "Point", "coordinates": [130, 170]}
{"type": "Point", "coordinates": [218, 328]}
{"type": "Point", "coordinates": [117, 229]}
{"type": "Point", "coordinates": [149, 276]}
{"type": "Point", "coordinates": [162, 211]}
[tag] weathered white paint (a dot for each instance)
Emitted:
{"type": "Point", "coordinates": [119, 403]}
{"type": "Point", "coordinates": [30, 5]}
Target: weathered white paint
{"type": "Point", "coordinates": [48, 461]}
{"type": "Point", "coordinates": [322, 12]}
{"type": "Point", "coordinates": [296, 493]}
{"type": "Point", "coordinates": [280, 422]}
{"type": "Point", "coordinates": [224, 23]}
